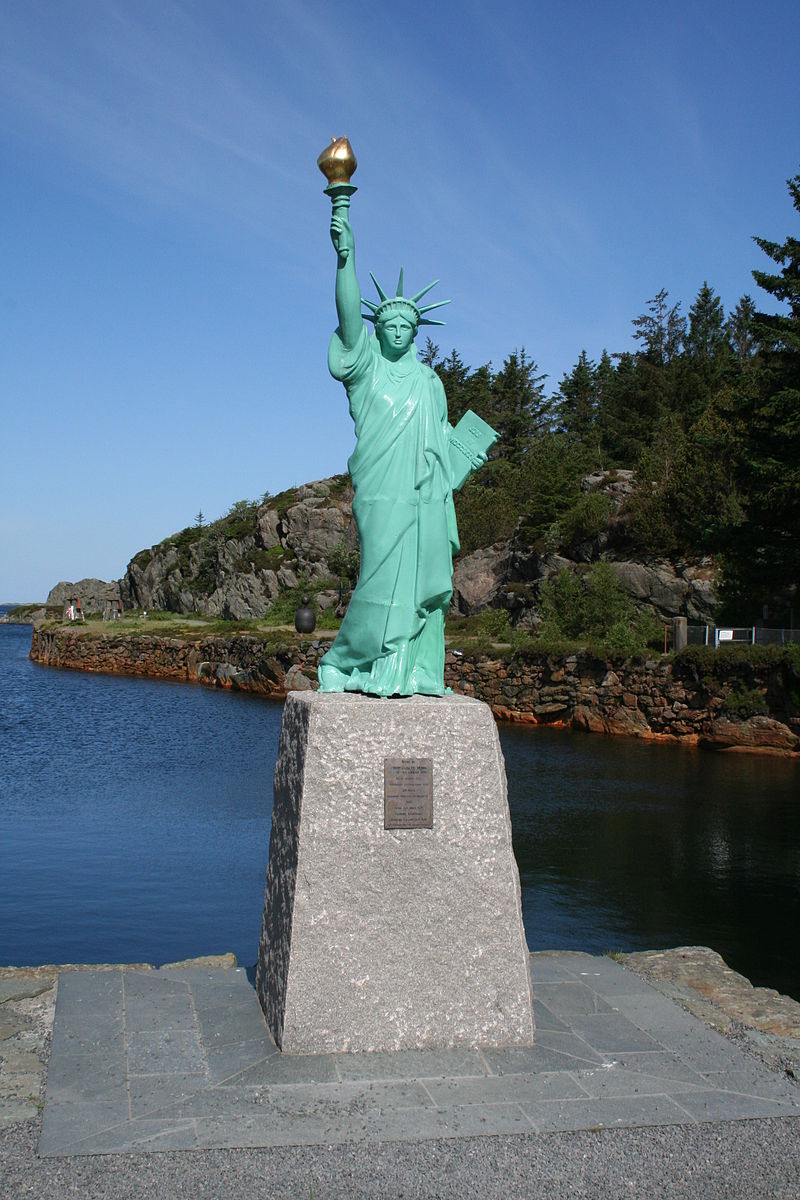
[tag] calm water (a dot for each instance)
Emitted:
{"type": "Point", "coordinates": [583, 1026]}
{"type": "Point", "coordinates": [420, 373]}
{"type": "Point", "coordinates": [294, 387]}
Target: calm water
{"type": "Point", "coordinates": [134, 825]}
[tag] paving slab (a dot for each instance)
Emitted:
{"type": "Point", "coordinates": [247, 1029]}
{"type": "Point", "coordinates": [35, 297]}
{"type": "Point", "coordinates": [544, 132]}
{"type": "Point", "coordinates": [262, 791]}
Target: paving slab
{"type": "Point", "coordinates": [182, 1059]}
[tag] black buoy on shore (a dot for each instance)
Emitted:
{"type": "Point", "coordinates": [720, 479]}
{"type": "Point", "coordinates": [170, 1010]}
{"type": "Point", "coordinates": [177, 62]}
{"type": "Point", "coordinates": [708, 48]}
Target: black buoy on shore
{"type": "Point", "coordinates": [305, 618]}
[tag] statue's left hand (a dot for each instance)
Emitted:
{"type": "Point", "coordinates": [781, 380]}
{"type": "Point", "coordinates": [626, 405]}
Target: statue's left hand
{"type": "Point", "coordinates": [479, 459]}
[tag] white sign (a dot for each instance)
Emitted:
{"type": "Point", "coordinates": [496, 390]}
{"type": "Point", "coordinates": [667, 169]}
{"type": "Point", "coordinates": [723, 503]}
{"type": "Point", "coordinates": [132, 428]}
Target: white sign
{"type": "Point", "coordinates": [724, 635]}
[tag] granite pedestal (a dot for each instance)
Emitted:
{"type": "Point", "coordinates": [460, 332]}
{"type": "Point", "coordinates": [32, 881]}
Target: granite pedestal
{"type": "Point", "coordinates": [398, 938]}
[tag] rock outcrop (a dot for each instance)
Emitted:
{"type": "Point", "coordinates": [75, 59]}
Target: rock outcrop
{"type": "Point", "coordinates": [509, 574]}
{"type": "Point", "coordinates": [237, 567]}
{"type": "Point", "coordinates": [92, 593]}
{"type": "Point", "coordinates": [478, 578]}
{"type": "Point", "coordinates": [670, 589]}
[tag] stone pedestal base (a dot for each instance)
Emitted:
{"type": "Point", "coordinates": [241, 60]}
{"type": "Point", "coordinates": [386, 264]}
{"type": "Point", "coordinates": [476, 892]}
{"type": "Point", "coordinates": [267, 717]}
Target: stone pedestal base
{"type": "Point", "coordinates": [377, 939]}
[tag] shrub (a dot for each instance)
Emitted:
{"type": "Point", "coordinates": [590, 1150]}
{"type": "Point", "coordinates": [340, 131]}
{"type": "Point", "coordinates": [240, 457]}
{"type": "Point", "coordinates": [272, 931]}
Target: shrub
{"type": "Point", "coordinates": [205, 581]}
{"type": "Point", "coordinates": [586, 519]}
{"type": "Point", "coordinates": [345, 562]}
{"type": "Point", "coordinates": [284, 501]}
{"type": "Point", "coordinates": [240, 520]}
{"type": "Point", "coordinates": [495, 624]}
{"type": "Point", "coordinates": [594, 607]}
{"type": "Point", "coordinates": [562, 606]}
{"type": "Point", "coordinates": [746, 702]}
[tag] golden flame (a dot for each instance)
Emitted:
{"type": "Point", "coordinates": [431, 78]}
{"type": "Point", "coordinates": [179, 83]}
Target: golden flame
{"type": "Point", "coordinates": [337, 161]}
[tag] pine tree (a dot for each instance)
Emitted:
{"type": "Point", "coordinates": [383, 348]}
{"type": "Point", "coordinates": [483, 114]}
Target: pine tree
{"type": "Point", "coordinates": [577, 400]}
{"type": "Point", "coordinates": [763, 554]}
{"type": "Point", "coordinates": [632, 405]}
{"type": "Point", "coordinates": [706, 336]}
{"type": "Point", "coordinates": [740, 331]}
{"type": "Point", "coordinates": [520, 410]}
{"type": "Point", "coordinates": [661, 329]}
{"type": "Point", "coordinates": [707, 361]}
{"type": "Point", "coordinates": [430, 355]}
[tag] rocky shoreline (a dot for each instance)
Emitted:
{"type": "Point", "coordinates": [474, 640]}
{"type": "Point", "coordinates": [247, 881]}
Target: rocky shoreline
{"type": "Point", "coordinates": [732, 704]}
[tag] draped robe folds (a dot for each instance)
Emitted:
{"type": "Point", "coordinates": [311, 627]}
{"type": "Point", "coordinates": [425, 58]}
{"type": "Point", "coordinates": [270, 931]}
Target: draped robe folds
{"type": "Point", "coordinates": [391, 642]}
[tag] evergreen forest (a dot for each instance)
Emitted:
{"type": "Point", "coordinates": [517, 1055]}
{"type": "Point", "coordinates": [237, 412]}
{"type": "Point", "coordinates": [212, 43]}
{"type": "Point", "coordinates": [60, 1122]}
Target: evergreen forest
{"type": "Point", "coordinates": [706, 412]}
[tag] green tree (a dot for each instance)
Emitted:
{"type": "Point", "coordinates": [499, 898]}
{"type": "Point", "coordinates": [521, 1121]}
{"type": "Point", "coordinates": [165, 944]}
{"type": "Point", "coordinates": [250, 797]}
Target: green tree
{"type": "Point", "coordinates": [762, 557]}
{"type": "Point", "coordinates": [577, 400]}
{"type": "Point", "coordinates": [686, 490]}
{"type": "Point", "coordinates": [740, 331]}
{"type": "Point", "coordinates": [562, 605]}
{"type": "Point", "coordinates": [430, 354]}
{"type": "Point", "coordinates": [705, 338]}
{"type": "Point", "coordinates": [547, 484]}
{"type": "Point", "coordinates": [462, 389]}
{"type": "Point", "coordinates": [520, 409]}
{"type": "Point", "coordinates": [661, 330]}
{"type": "Point", "coordinates": [707, 360]}
{"type": "Point", "coordinates": [345, 562]}
{"type": "Point", "coordinates": [595, 607]}
{"type": "Point", "coordinates": [630, 410]}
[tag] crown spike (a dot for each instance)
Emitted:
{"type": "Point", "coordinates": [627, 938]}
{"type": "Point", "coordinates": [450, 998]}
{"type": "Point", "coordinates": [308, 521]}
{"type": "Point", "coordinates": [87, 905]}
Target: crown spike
{"type": "Point", "coordinates": [400, 284]}
{"type": "Point", "coordinates": [370, 304]}
{"type": "Point", "coordinates": [424, 291]}
{"type": "Point", "coordinates": [439, 304]}
{"type": "Point", "coordinates": [430, 321]}
{"type": "Point", "coordinates": [380, 290]}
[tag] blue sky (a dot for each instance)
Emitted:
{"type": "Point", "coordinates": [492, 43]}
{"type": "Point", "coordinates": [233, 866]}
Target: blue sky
{"type": "Point", "coordinates": [167, 278]}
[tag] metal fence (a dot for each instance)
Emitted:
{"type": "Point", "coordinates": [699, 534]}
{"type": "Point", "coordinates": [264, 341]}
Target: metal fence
{"type": "Point", "coordinates": [753, 635]}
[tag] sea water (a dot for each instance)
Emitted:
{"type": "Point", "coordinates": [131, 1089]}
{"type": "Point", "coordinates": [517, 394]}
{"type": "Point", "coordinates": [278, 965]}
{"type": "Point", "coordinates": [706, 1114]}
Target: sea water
{"type": "Point", "coordinates": [135, 818]}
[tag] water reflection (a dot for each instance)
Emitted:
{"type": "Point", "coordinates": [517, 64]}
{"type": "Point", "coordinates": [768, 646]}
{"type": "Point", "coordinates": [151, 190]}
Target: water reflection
{"type": "Point", "coordinates": [627, 845]}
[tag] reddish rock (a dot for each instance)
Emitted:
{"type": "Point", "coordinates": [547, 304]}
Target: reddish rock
{"type": "Point", "coordinates": [627, 721]}
{"type": "Point", "coordinates": [586, 718]}
{"type": "Point", "coordinates": [757, 733]}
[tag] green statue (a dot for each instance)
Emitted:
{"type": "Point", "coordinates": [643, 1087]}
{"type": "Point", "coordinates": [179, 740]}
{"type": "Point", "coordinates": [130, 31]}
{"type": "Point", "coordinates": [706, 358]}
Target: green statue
{"type": "Point", "coordinates": [403, 469]}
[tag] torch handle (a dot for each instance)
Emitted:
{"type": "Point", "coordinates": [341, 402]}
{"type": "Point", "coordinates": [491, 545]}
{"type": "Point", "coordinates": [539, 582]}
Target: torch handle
{"type": "Point", "coordinates": [340, 194]}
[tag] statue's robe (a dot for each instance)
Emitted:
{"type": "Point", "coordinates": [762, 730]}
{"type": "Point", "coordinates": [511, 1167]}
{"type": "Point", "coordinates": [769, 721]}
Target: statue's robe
{"type": "Point", "coordinates": [391, 642]}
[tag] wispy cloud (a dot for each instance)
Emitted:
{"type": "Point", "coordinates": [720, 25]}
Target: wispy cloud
{"type": "Point", "coordinates": [157, 108]}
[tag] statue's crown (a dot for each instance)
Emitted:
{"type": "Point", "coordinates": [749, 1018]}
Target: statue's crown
{"type": "Point", "coordinates": [406, 306]}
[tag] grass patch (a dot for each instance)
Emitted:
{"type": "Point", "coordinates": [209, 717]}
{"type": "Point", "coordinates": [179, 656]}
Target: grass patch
{"type": "Point", "coordinates": [746, 702]}
{"type": "Point", "coordinates": [189, 627]}
{"type": "Point", "coordinates": [283, 501]}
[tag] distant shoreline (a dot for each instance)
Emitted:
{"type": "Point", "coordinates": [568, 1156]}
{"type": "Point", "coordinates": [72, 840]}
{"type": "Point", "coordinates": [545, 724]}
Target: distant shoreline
{"type": "Point", "coordinates": [24, 614]}
{"type": "Point", "coordinates": [688, 701]}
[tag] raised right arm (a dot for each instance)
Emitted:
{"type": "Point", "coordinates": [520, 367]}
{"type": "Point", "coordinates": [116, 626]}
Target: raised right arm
{"type": "Point", "coordinates": [348, 293]}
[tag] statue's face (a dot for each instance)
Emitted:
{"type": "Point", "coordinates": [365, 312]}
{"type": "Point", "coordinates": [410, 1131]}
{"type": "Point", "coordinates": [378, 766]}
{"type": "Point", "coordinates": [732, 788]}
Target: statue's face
{"type": "Point", "coordinates": [394, 335]}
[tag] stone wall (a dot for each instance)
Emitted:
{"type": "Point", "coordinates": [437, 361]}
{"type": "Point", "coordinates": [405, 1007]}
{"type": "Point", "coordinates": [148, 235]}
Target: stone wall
{"type": "Point", "coordinates": [240, 662]}
{"type": "Point", "coordinates": [753, 707]}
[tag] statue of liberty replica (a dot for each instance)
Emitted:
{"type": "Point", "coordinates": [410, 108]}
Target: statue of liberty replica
{"type": "Point", "coordinates": [392, 908]}
{"type": "Point", "coordinates": [406, 463]}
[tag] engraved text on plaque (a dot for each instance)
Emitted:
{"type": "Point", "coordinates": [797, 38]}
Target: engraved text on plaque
{"type": "Point", "coordinates": [408, 793]}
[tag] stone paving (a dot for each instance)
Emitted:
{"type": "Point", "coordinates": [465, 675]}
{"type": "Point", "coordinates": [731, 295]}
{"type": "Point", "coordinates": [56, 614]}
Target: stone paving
{"type": "Point", "coordinates": [181, 1059]}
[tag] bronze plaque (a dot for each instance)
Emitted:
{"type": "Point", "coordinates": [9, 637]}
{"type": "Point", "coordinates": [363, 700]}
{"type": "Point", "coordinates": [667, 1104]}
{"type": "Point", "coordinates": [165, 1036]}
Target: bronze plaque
{"type": "Point", "coordinates": [408, 793]}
